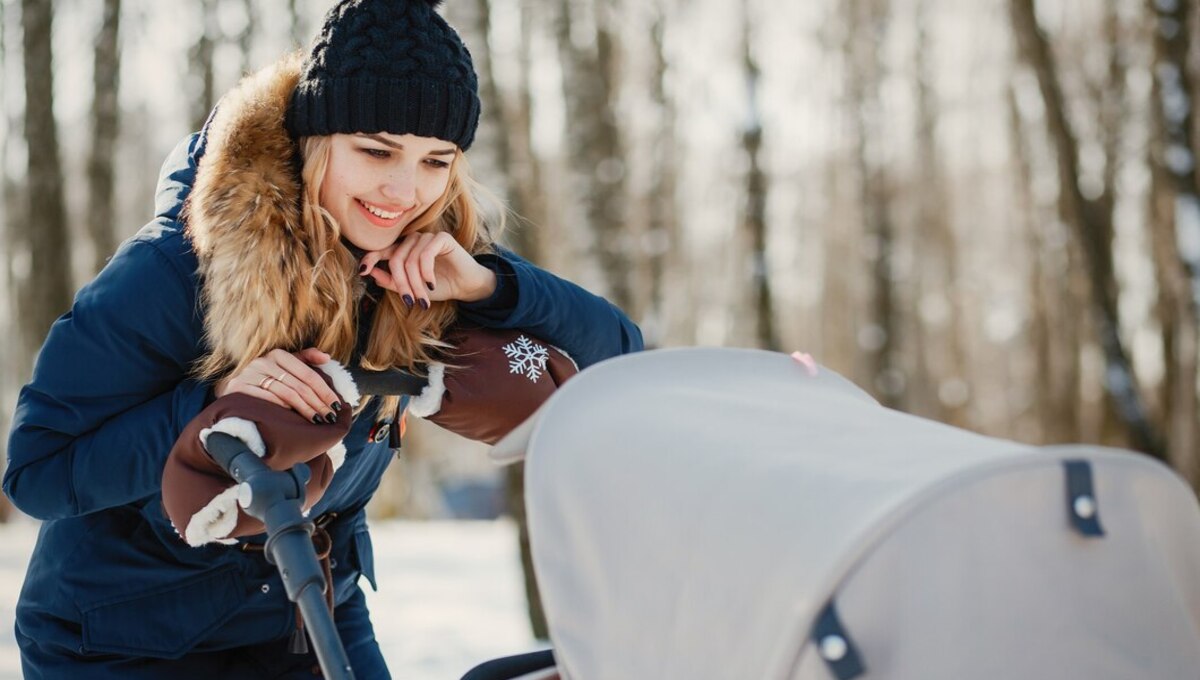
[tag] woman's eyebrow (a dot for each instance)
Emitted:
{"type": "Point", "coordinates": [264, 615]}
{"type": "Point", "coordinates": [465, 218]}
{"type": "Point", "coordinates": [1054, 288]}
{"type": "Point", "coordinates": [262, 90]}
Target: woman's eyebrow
{"type": "Point", "coordinates": [384, 141]}
{"type": "Point", "coordinates": [395, 145]}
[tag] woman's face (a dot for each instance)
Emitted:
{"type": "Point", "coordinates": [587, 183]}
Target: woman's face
{"type": "Point", "coordinates": [377, 184]}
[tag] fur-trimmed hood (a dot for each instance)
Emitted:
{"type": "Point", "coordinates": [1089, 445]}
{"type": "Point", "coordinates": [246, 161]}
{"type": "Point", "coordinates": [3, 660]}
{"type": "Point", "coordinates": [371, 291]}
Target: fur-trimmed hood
{"type": "Point", "coordinates": [244, 218]}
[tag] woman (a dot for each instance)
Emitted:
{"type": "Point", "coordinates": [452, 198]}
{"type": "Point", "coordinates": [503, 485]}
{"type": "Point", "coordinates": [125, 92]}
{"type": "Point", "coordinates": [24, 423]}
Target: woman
{"type": "Point", "coordinates": [325, 212]}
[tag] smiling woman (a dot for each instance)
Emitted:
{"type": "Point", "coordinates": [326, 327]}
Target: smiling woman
{"type": "Point", "coordinates": [325, 214]}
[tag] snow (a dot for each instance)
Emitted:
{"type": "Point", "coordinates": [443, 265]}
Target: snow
{"type": "Point", "coordinates": [450, 596]}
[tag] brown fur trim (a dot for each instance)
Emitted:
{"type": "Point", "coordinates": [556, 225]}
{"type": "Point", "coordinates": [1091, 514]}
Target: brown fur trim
{"type": "Point", "coordinates": [243, 217]}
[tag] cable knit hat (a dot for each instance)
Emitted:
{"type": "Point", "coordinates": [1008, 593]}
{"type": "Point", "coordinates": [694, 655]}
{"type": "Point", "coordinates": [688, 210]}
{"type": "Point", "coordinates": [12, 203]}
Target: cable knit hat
{"type": "Point", "coordinates": [391, 66]}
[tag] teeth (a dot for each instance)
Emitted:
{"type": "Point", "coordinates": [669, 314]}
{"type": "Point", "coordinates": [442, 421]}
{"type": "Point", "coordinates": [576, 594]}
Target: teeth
{"type": "Point", "coordinates": [380, 213]}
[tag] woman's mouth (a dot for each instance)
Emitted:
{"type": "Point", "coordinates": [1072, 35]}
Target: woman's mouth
{"type": "Point", "coordinates": [378, 216]}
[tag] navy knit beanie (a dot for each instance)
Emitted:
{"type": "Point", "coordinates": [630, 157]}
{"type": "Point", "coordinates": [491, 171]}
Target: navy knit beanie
{"type": "Point", "coordinates": [390, 66]}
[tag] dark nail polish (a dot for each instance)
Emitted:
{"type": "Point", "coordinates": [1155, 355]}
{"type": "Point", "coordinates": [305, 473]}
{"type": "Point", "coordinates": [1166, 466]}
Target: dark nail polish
{"type": "Point", "coordinates": [408, 301]}
{"type": "Point", "coordinates": [336, 406]}
{"type": "Point", "coordinates": [362, 270]}
{"type": "Point", "coordinates": [430, 285]}
{"type": "Point", "coordinates": [330, 418]}
{"type": "Point", "coordinates": [424, 303]}
{"type": "Point", "coordinates": [316, 420]}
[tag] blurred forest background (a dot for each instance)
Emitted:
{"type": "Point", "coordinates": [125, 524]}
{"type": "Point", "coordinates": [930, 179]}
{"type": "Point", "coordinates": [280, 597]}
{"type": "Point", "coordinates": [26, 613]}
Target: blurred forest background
{"type": "Point", "coordinates": [984, 212]}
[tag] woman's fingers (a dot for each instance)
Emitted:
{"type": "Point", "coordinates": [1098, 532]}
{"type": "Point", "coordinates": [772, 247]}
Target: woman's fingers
{"type": "Point", "coordinates": [286, 379]}
{"type": "Point", "coordinates": [369, 267]}
{"type": "Point", "coordinates": [440, 244]}
{"type": "Point", "coordinates": [412, 268]}
{"type": "Point", "coordinates": [301, 386]}
{"type": "Point", "coordinates": [313, 356]}
{"type": "Point", "coordinates": [368, 262]}
{"type": "Point", "coordinates": [262, 394]}
{"type": "Point", "coordinates": [276, 385]}
{"type": "Point", "coordinates": [399, 278]}
{"type": "Point", "coordinates": [383, 278]}
{"type": "Point", "coordinates": [422, 267]}
{"type": "Point", "coordinates": [300, 400]}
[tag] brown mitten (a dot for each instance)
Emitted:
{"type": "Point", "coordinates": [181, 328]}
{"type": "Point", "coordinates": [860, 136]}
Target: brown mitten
{"type": "Point", "coordinates": [201, 499]}
{"type": "Point", "coordinates": [491, 382]}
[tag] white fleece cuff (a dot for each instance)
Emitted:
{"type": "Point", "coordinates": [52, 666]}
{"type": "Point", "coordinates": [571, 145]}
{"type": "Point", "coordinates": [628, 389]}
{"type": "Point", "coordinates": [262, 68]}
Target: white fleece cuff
{"type": "Point", "coordinates": [429, 401]}
{"type": "Point", "coordinates": [241, 428]}
{"type": "Point", "coordinates": [337, 455]}
{"type": "Point", "coordinates": [343, 383]}
{"type": "Point", "coordinates": [213, 522]}
{"type": "Point", "coordinates": [568, 357]}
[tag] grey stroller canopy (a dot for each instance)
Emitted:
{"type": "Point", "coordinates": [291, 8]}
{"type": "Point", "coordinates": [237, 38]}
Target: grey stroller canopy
{"type": "Point", "coordinates": [719, 513]}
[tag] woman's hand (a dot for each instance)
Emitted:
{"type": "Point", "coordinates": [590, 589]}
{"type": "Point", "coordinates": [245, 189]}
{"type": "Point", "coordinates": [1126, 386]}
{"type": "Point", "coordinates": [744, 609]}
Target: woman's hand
{"type": "Point", "coordinates": [286, 379]}
{"type": "Point", "coordinates": [423, 267]}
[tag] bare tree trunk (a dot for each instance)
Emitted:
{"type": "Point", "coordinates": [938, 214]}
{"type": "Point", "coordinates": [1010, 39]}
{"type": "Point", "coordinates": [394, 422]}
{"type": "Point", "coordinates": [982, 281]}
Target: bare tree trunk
{"type": "Point", "coordinates": [938, 343]}
{"type": "Point", "coordinates": [662, 245]}
{"type": "Point", "coordinates": [514, 477]}
{"type": "Point", "coordinates": [1176, 305]}
{"type": "Point", "coordinates": [45, 291]}
{"type": "Point", "coordinates": [1181, 128]}
{"type": "Point", "coordinates": [526, 165]}
{"type": "Point", "coordinates": [105, 129]}
{"type": "Point", "coordinates": [1053, 333]}
{"type": "Point", "coordinates": [1177, 317]}
{"type": "Point", "coordinates": [1093, 230]}
{"type": "Point", "coordinates": [297, 27]}
{"type": "Point", "coordinates": [499, 140]}
{"type": "Point", "coordinates": [880, 336]}
{"type": "Point", "coordinates": [491, 154]}
{"type": "Point", "coordinates": [596, 149]}
{"type": "Point", "coordinates": [200, 62]}
{"type": "Point", "coordinates": [754, 216]}
{"type": "Point", "coordinates": [246, 37]}
{"type": "Point", "coordinates": [525, 180]}
{"type": "Point", "coordinates": [1112, 107]}
{"type": "Point", "coordinates": [1038, 328]}
{"type": "Point", "coordinates": [841, 224]}
{"type": "Point", "coordinates": [520, 162]}
{"type": "Point", "coordinates": [840, 300]}
{"type": "Point", "coordinates": [10, 214]}
{"type": "Point", "coordinates": [1111, 114]}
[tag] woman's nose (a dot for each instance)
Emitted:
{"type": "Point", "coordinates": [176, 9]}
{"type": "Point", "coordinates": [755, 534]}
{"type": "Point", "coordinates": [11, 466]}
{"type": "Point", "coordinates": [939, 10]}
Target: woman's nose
{"type": "Point", "coordinates": [400, 188]}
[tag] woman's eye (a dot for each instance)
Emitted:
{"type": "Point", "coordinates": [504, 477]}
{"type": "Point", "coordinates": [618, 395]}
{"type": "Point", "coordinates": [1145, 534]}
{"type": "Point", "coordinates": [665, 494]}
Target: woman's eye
{"type": "Point", "coordinates": [377, 153]}
{"type": "Point", "coordinates": [435, 163]}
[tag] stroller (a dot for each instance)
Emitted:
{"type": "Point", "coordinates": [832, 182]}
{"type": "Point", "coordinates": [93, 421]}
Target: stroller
{"type": "Point", "coordinates": [720, 513]}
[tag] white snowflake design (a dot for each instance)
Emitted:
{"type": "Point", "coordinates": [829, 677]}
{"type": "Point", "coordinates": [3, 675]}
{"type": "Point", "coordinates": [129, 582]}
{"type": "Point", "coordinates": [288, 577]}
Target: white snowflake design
{"type": "Point", "coordinates": [526, 358]}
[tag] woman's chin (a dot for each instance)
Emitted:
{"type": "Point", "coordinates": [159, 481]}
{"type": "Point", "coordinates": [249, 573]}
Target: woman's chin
{"type": "Point", "coordinates": [371, 242]}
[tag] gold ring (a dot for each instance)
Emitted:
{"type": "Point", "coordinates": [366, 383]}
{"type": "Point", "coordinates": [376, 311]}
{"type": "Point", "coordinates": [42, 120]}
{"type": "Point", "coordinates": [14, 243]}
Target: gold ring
{"type": "Point", "coordinates": [266, 383]}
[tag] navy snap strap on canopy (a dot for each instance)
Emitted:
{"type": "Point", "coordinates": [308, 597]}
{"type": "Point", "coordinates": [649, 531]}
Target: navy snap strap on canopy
{"type": "Point", "coordinates": [835, 646]}
{"type": "Point", "coordinates": [1083, 511]}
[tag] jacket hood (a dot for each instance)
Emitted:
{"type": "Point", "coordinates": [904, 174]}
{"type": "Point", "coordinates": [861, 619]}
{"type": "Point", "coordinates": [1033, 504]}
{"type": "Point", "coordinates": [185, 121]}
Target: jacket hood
{"type": "Point", "coordinates": [243, 216]}
{"type": "Point", "coordinates": [176, 177]}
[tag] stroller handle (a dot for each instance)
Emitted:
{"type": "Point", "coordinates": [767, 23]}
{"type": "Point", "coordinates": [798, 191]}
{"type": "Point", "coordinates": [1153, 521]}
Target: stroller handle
{"type": "Point", "coordinates": [389, 382]}
{"type": "Point", "coordinates": [275, 496]}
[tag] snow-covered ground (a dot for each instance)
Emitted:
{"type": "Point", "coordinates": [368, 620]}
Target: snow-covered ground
{"type": "Point", "coordinates": [450, 595]}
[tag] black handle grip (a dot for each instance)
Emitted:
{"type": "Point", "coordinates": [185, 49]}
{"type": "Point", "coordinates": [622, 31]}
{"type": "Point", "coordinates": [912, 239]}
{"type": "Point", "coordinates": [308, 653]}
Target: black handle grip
{"type": "Point", "coordinates": [391, 382]}
{"type": "Point", "coordinates": [225, 448]}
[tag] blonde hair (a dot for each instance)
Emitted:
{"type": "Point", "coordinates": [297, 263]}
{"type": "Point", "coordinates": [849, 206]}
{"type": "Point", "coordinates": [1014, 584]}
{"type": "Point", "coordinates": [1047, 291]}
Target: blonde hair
{"type": "Point", "coordinates": [327, 310]}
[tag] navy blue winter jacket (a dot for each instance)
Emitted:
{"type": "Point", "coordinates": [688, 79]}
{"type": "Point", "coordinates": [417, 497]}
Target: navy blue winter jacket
{"type": "Point", "coordinates": [109, 396]}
